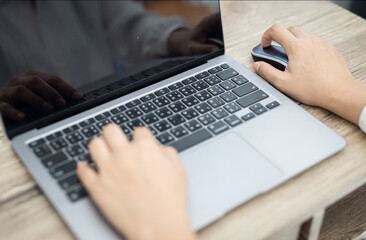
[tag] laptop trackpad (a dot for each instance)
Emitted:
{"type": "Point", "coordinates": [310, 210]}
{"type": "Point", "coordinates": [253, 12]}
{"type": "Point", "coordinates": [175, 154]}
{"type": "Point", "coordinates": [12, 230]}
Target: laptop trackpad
{"type": "Point", "coordinates": [222, 175]}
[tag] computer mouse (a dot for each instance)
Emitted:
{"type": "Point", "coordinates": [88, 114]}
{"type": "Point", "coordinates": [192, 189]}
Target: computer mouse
{"type": "Point", "coordinates": [274, 55]}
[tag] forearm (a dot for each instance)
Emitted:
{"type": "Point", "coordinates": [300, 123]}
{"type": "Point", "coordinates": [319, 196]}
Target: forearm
{"type": "Point", "coordinates": [349, 101]}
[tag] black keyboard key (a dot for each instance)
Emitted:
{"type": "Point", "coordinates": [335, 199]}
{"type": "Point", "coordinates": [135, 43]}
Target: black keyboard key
{"type": "Point", "coordinates": [101, 124]}
{"type": "Point", "coordinates": [174, 96]}
{"type": "Point", "coordinates": [189, 113]}
{"type": "Point", "coordinates": [203, 95]}
{"type": "Point", "coordinates": [225, 66]}
{"type": "Point", "coordinates": [54, 136]}
{"type": "Point", "coordinates": [177, 107]}
{"type": "Point", "coordinates": [165, 138]}
{"type": "Point", "coordinates": [147, 107]}
{"type": "Point", "coordinates": [226, 74]}
{"type": "Point", "coordinates": [245, 89]}
{"type": "Point", "coordinates": [150, 118]}
{"type": "Point", "coordinates": [248, 116]}
{"type": "Point", "coordinates": [134, 113]}
{"type": "Point", "coordinates": [118, 109]}
{"type": "Point", "coordinates": [153, 131]}
{"type": "Point", "coordinates": [200, 85]}
{"type": "Point", "coordinates": [206, 119]}
{"type": "Point", "coordinates": [74, 137]}
{"type": "Point", "coordinates": [190, 101]}
{"type": "Point", "coordinates": [42, 150]}
{"type": "Point", "coordinates": [176, 119]}
{"type": "Point", "coordinates": [216, 102]}
{"type": "Point", "coordinates": [228, 96]}
{"type": "Point", "coordinates": [133, 103]}
{"type": "Point", "coordinates": [187, 90]}
{"type": "Point", "coordinates": [202, 75]}
{"type": "Point", "coordinates": [162, 91]}
{"type": "Point", "coordinates": [191, 140]}
{"type": "Point", "coordinates": [252, 98]}
{"type": "Point", "coordinates": [260, 110]}
{"type": "Point", "coordinates": [74, 150]}
{"type": "Point", "coordinates": [193, 125]}
{"type": "Point", "coordinates": [215, 70]}
{"type": "Point", "coordinates": [69, 181]}
{"type": "Point", "coordinates": [218, 127]}
{"type": "Point", "coordinates": [58, 144]}
{"type": "Point", "coordinates": [212, 80]}
{"type": "Point", "coordinates": [215, 90]}
{"type": "Point", "coordinates": [233, 120]}
{"type": "Point", "coordinates": [77, 194]}
{"type": "Point", "coordinates": [189, 80]}
{"type": "Point", "coordinates": [162, 126]}
{"type": "Point", "coordinates": [135, 123]}
{"type": "Point", "coordinates": [164, 112]}
{"type": "Point", "coordinates": [120, 118]}
{"type": "Point", "coordinates": [102, 116]}
{"type": "Point", "coordinates": [87, 122]}
{"type": "Point", "coordinates": [85, 157]}
{"type": "Point", "coordinates": [54, 159]}
{"type": "Point", "coordinates": [90, 131]}
{"type": "Point", "coordinates": [228, 85]}
{"type": "Point", "coordinates": [176, 86]}
{"type": "Point", "coordinates": [219, 113]}
{"type": "Point", "coordinates": [71, 129]}
{"type": "Point", "coordinates": [179, 132]}
{"type": "Point", "coordinates": [148, 97]}
{"type": "Point", "coordinates": [125, 129]}
{"type": "Point", "coordinates": [63, 169]}
{"type": "Point", "coordinates": [272, 105]}
{"type": "Point", "coordinates": [232, 107]}
{"type": "Point", "coordinates": [239, 80]}
{"type": "Point", "coordinates": [161, 101]}
{"type": "Point", "coordinates": [203, 108]}
{"type": "Point", "coordinates": [256, 107]}
{"type": "Point", "coordinates": [36, 143]}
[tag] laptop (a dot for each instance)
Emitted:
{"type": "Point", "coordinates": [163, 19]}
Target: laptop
{"type": "Point", "coordinates": [236, 135]}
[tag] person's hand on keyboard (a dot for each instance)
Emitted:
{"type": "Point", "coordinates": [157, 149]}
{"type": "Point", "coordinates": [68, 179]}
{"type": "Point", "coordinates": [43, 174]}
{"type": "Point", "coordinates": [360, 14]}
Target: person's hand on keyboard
{"type": "Point", "coordinates": [140, 186]}
{"type": "Point", "coordinates": [316, 73]}
{"type": "Point", "coordinates": [40, 90]}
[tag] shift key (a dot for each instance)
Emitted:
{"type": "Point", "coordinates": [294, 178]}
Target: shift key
{"type": "Point", "coordinates": [252, 98]}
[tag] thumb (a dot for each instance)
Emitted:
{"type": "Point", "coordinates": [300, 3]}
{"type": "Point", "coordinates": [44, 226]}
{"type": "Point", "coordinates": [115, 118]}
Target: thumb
{"type": "Point", "coordinates": [87, 176]}
{"type": "Point", "coordinates": [269, 73]}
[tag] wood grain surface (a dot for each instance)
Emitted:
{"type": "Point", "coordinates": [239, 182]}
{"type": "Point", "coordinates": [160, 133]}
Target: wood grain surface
{"type": "Point", "coordinates": [25, 212]}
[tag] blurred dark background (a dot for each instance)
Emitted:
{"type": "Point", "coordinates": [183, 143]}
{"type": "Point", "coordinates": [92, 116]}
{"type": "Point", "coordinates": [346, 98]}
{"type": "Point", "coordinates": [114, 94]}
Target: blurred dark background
{"type": "Point", "coordinates": [356, 6]}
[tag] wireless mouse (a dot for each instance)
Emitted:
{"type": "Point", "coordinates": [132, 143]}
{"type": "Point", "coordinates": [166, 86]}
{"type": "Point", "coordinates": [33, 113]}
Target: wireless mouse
{"type": "Point", "coordinates": [274, 55]}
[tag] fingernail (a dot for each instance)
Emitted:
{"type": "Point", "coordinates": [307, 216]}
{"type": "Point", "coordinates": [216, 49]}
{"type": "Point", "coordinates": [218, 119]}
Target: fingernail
{"type": "Point", "coordinates": [47, 107]}
{"type": "Point", "coordinates": [78, 95]}
{"type": "Point", "coordinates": [60, 102]}
{"type": "Point", "coordinates": [256, 66]}
{"type": "Point", "coordinates": [20, 116]}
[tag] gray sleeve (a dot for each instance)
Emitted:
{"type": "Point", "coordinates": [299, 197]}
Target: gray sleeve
{"type": "Point", "coordinates": [134, 33]}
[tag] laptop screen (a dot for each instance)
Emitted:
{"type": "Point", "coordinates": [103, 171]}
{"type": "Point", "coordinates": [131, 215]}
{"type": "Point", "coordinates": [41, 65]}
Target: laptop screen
{"type": "Point", "coordinates": [58, 58]}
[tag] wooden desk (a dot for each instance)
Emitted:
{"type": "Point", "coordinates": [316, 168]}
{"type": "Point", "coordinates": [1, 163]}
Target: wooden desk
{"type": "Point", "coordinates": [25, 213]}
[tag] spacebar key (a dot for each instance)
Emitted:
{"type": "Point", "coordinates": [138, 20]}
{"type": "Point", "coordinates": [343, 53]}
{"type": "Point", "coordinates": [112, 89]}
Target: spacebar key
{"type": "Point", "coordinates": [191, 140]}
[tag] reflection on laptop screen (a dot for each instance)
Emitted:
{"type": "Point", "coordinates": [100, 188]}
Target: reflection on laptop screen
{"type": "Point", "coordinates": [58, 58]}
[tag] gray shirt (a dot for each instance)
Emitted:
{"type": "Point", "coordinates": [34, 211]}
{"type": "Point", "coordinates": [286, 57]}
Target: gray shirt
{"type": "Point", "coordinates": [79, 40]}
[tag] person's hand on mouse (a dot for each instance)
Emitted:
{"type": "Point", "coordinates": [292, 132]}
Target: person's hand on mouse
{"type": "Point", "coordinates": [140, 186]}
{"type": "Point", "coordinates": [40, 90]}
{"type": "Point", "coordinates": [316, 73]}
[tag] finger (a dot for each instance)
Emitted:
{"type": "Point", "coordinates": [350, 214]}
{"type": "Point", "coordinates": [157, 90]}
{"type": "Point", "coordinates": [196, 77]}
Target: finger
{"type": "Point", "coordinates": [297, 32]}
{"type": "Point", "coordinates": [27, 96]}
{"type": "Point", "coordinates": [86, 175]}
{"type": "Point", "coordinates": [11, 112]}
{"type": "Point", "coordinates": [99, 151]}
{"type": "Point", "coordinates": [269, 73]}
{"type": "Point", "coordinates": [281, 35]}
{"type": "Point", "coordinates": [64, 88]}
{"type": "Point", "coordinates": [42, 88]}
{"type": "Point", "coordinates": [200, 48]}
{"type": "Point", "coordinates": [142, 133]}
{"type": "Point", "coordinates": [114, 137]}
{"type": "Point", "coordinates": [171, 152]}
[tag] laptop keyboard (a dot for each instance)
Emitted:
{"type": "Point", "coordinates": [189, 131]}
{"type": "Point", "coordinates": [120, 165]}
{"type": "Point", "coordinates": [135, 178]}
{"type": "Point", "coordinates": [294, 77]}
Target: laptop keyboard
{"type": "Point", "coordinates": [181, 115]}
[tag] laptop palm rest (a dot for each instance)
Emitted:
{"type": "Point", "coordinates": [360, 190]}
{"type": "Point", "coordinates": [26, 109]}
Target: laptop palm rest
{"type": "Point", "coordinates": [223, 174]}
